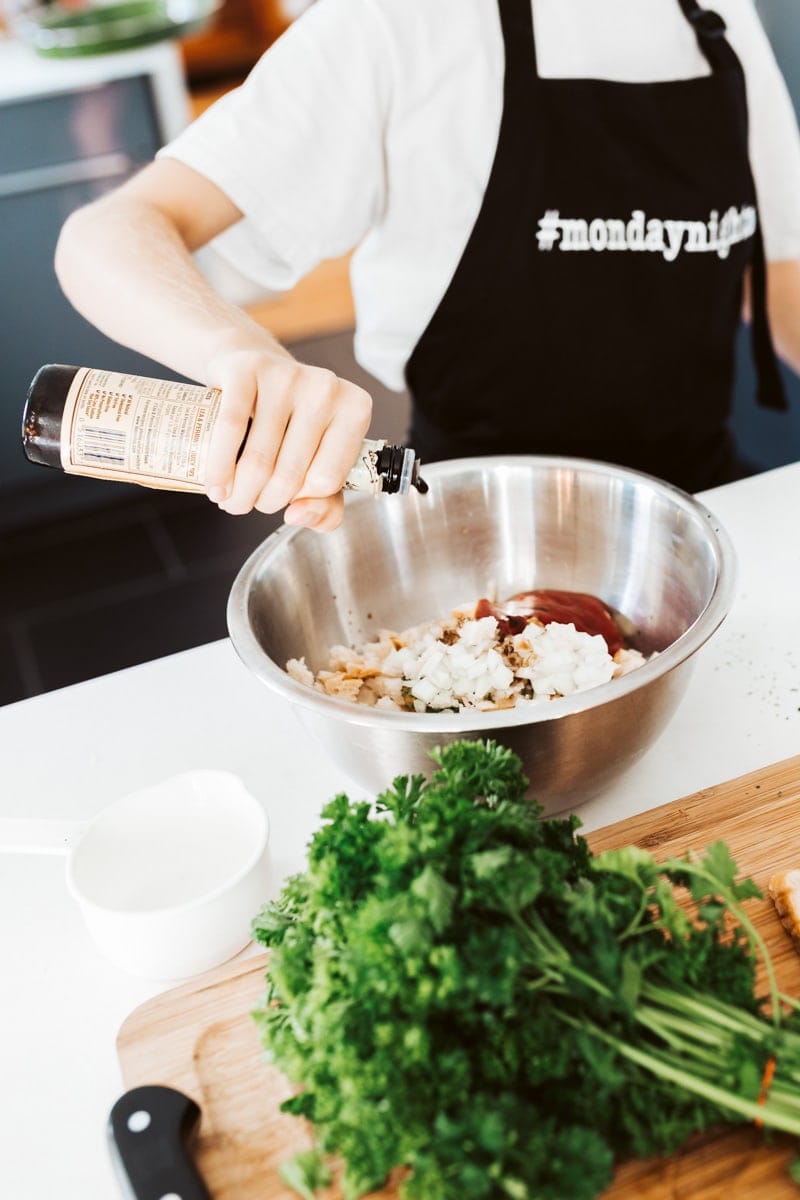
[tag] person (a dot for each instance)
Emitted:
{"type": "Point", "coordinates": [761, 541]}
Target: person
{"type": "Point", "coordinates": [559, 209]}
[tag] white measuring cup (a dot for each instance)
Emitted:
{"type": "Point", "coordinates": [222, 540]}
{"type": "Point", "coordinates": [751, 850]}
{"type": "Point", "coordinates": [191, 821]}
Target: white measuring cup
{"type": "Point", "coordinates": [168, 878]}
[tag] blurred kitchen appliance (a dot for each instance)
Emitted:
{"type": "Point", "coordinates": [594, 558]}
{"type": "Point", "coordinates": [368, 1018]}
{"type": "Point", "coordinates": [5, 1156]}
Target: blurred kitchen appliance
{"type": "Point", "coordinates": [69, 130]}
{"type": "Point", "coordinates": [69, 28]}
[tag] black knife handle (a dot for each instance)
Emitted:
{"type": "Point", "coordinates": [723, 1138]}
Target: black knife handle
{"type": "Point", "coordinates": [150, 1130]}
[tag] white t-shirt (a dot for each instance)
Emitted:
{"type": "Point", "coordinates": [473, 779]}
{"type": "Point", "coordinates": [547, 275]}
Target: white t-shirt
{"type": "Point", "coordinates": [373, 124]}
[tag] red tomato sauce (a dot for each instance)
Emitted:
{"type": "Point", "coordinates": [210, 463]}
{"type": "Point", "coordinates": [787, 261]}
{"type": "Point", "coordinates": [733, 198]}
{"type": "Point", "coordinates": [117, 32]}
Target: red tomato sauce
{"type": "Point", "coordinates": [585, 612]}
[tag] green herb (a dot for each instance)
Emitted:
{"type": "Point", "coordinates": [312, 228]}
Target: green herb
{"type": "Point", "coordinates": [305, 1173]}
{"type": "Point", "coordinates": [462, 989]}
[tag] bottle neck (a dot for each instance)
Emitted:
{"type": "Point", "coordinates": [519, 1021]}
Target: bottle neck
{"type": "Point", "coordinates": [398, 468]}
{"type": "Point", "coordinates": [41, 417]}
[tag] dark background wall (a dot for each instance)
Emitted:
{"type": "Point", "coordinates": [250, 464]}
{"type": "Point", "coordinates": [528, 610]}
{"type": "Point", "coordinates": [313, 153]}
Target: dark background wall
{"type": "Point", "coordinates": [771, 439]}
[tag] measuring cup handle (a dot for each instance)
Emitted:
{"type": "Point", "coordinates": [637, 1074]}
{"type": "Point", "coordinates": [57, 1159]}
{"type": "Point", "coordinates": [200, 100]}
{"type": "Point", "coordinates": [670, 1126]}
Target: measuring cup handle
{"type": "Point", "coordinates": [32, 835]}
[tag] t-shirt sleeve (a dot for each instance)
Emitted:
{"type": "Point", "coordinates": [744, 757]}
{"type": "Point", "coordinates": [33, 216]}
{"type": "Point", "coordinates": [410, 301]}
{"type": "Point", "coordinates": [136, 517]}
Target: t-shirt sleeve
{"type": "Point", "coordinates": [298, 146]}
{"type": "Point", "coordinates": [774, 136]}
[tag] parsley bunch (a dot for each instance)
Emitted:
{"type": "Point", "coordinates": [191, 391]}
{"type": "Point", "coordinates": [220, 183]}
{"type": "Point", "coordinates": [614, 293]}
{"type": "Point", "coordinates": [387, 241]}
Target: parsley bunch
{"type": "Point", "coordinates": [462, 990]}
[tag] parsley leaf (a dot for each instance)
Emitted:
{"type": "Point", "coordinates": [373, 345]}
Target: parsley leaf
{"type": "Point", "coordinates": [461, 991]}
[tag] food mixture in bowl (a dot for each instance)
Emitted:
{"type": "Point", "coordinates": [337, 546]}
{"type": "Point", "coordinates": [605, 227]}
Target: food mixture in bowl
{"type": "Point", "coordinates": [534, 646]}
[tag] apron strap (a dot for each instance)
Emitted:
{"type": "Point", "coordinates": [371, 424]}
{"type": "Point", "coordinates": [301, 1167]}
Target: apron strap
{"type": "Point", "coordinates": [709, 29]}
{"type": "Point", "coordinates": [516, 21]}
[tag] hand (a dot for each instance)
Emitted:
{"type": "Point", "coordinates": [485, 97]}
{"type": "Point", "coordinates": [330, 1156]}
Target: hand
{"type": "Point", "coordinates": [306, 432]}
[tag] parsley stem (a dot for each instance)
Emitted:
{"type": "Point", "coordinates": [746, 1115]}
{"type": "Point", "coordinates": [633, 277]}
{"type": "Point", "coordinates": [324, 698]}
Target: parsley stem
{"type": "Point", "coordinates": [691, 867]}
{"type": "Point", "coordinates": [778, 1116]}
{"type": "Point", "coordinates": [710, 1011]}
{"type": "Point", "coordinates": [679, 1044]}
{"type": "Point", "coordinates": [789, 1001]}
{"type": "Point", "coordinates": [676, 1031]}
{"type": "Point", "coordinates": [634, 926]}
{"type": "Point", "coordinates": [551, 955]}
{"type": "Point", "coordinates": [706, 1008]}
{"type": "Point", "coordinates": [543, 981]}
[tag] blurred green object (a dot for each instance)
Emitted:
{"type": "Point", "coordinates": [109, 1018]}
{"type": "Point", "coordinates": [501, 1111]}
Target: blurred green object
{"type": "Point", "coordinates": [56, 31]}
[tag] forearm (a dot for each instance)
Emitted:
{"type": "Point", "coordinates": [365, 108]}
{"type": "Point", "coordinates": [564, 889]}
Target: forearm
{"type": "Point", "coordinates": [126, 263]}
{"type": "Point", "coordinates": [127, 269]}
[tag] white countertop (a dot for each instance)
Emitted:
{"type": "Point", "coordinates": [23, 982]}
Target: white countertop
{"type": "Point", "coordinates": [68, 753]}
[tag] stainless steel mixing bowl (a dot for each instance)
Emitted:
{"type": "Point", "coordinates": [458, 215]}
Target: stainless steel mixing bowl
{"type": "Point", "coordinates": [493, 527]}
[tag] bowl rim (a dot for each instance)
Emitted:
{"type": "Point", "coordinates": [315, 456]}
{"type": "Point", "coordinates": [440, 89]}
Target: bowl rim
{"type": "Point", "coordinates": [469, 721]}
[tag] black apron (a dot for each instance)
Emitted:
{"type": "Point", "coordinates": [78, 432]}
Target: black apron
{"type": "Point", "coordinates": [595, 309]}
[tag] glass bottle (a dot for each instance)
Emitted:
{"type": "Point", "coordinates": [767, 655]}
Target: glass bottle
{"type": "Point", "coordinates": [155, 432]}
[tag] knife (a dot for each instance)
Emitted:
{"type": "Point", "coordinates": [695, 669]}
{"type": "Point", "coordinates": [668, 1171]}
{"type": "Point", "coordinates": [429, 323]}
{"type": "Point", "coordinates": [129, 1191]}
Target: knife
{"type": "Point", "coordinates": [150, 1130]}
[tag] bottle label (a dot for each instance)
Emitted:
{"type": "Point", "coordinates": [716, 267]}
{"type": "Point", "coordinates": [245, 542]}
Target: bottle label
{"type": "Point", "coordinates": [148, 431]}
{"type": "Point", "coordinates": [365, 476]}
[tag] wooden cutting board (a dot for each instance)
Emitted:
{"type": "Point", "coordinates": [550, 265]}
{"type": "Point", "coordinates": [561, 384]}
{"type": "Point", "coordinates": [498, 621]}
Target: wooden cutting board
{"type": "Point", "coordinates": [199, 1037]}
